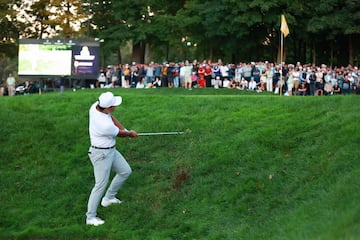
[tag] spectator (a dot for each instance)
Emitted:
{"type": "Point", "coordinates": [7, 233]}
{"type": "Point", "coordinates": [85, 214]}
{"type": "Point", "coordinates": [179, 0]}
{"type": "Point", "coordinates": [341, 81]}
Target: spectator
{"type": "Point", "coordinates": [336, 88]}
{"type": "Point", "coordinates": [141, 70]}
{"type": "Point", "coordinates": [269, 79]}
{"type": "Point", "coordinates": [263, 81]}
{"type": "Point", "coordinates": [170, 76]}
{"type": "Point", "coordinates": [156, 82]}
{"type": "Point", "coordinates": [149, 72]}
{"type": "Point", "coordinates": [340, 79]}
{"type": "Point", "coordinates": [3, 90]}
{"type": "Point", "coordinates": [252, 84]}
{"type": "Point", "coordinates": [216, 70]}
{"type": "Point", "coordinates": [226, 83]}
{"type": "Point", "coordinates": [290, 81]}
{"type": "Point", "coordinates": [350, 77]}
{"type": "Point", "coordinates": [62, 84]}
{"type": "Point", "coordinates": [187, 75]}
{"type": "Point", "coordinates": [108, 75]}
{"type": "Point", "coordinates": [243, 84]}
{"type": "Point", "coordinates": [284, 72]}
{"type": "Point", "coordinates": [327, 76]}
{"type": "Point", "coordinates": [319, 88]}
{"type": "Point", "coordinates": [282, 85]}
{"type": "Point", "coordinates": [182, 75]}
{"type": "Point", "coordinates": [302, 75]}
{"type": "Point", "coordinates": [346, 86]}
{"type": "Point", "coordinates": [134, 73]}
{"type": "Point", "coordinates": [276, 79]}
{"type": "Point", "coordinates": [355, 75]}
{"type": "Point", "coordinates": [141, 83]}
{"type": "Point", "coordinates": [296, 79]}
{"type": "Point", "coordinates": [238, 75]}
{"type": "Point", "coordinates": [27, 87]}
{"type": "Point", "coordinates": [302, 89]}
{"type": "Point", "coordinates": [127, 75]}
{"type": "Point", "coordinates": [217, 82]}
{"type": "Point", "coordinates": [115, 77]}
{"type": "Point", "coordinates": [312, 81]}
{"type": "Point", "coordinates": [256, 74]}
{"type": "Point", "coordinates": [328, 88]}
{"type": "Point", "coordinates": [10, 82]}
{"type": "Point", "coordinates": [231, 72]}
{"type": "Point", "coordinates": [263, 76]}
{"type": "Point", "coordinates": [164, 75]}
{"type": "Point", "coordinates": [157, 71]}
{"type": "Point", "coordinates": [224, 71]}
{"type": "Point", "coordinates": [333, 78]}
{"type": "Point", "coordinates": [319, 74]}
{"type": "Point", "coordinates": [208, 75]}
{"type": "Point", "coordinates": [201, 75]}
{"type": "Point", "coordinates": [194, 79]}
{"type": "Point", "coordinates": [232, 83]}
{"type": "Point", "coordinates": [195, 66]}
{"type": "Point", "coordinates": [246, 70]}
{"type": "Point", "coordinates": [175, 73]}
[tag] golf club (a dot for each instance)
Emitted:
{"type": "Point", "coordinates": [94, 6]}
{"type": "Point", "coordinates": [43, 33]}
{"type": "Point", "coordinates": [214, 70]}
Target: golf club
{"type": "Point", "coordinates": [160, 133]}
{"type": "Point", "coordinates": [163, 133]}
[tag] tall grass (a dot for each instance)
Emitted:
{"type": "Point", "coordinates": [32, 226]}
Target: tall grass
{"type": "Point", "coordinates": [249, 167]}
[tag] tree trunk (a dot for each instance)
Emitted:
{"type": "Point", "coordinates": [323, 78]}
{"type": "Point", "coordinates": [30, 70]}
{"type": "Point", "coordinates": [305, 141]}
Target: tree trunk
{"type": "Point", "coordinates": [351, 57]}
{"type": "Point", "coordinates": [138, 52]}
{"type": "Point", "coordinates": [211, 53]}
{"type": "Point", "coordinates": [313, 55]}
{"type": "Point", "coordinates": [119, 57]}
{"type": "Point", "coordinates": [304, 52]}
{"type": "Point", "coordinates": [148, 53]}
{"type": "Point", "coordinates": [167, 51]}
{"type": "Point", "coordinates": [332, 54]}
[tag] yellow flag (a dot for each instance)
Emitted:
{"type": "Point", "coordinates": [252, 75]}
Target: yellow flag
{"type": "Point", "coordinates": [284, 27]}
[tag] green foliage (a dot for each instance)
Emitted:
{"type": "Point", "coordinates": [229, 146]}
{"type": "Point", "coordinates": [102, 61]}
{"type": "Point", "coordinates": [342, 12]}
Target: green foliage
{"type": "Point", "coordinates": [9, 28]}
{"type": "Point", "coordinates": [251, 166]}
{"type": "Point", "coordinates": [231, 30]}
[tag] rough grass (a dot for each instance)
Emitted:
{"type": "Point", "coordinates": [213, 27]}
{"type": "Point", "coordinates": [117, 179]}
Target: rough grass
{"type": "Point", "coordinates": [251, 166]}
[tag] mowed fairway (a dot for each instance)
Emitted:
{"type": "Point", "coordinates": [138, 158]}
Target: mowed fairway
{"type": "Point", "coordinates": [250, 166]}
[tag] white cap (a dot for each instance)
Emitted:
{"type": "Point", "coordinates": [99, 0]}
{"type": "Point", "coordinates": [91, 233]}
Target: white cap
{"type": "Point", "coordinates": [108, 99]}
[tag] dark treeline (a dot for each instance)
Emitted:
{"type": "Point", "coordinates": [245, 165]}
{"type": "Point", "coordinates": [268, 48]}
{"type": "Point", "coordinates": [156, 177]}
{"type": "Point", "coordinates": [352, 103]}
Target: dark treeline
{"type": "Point", "coordinates": [321, 31]}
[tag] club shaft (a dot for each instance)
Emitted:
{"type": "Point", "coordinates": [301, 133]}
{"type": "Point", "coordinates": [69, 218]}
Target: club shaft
{"type": "Point", "coordinates": [159, 133]}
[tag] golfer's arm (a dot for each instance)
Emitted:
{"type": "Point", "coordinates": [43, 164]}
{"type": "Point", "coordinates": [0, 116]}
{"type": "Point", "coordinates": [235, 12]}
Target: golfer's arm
{"type": "Point", "coordinates": [117, 123]}
{"type": "Point", "coordinates": [123, 132]}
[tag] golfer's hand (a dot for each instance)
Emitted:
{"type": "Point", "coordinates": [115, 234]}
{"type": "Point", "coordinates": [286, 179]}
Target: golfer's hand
{"type": "Point", "coordinates": [132, 134]}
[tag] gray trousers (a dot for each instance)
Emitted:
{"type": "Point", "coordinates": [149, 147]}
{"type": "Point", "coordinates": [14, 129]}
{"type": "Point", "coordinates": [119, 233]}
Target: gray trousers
{"type": "Point", "coordinates": [103, 161]}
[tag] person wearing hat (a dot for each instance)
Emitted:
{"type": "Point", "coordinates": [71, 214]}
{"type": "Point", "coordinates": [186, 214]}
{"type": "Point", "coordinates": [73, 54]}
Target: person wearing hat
{"type": "Point", "coordinates": [103, 130]}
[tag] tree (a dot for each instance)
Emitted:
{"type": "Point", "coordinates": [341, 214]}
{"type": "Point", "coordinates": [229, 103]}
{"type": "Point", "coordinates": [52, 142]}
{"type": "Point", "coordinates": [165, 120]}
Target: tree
{"type": "Point", "coordinates": [233, 30]}
{"type": "Point", "coordinates": [321, 31]}
{"type": "Point", "coordinates": [9, 33]}
{"type": "Point", "coordinates": [67, 16]}
{"type": "Point", "coordinates": [143, 22]}
{"type": "Point", "coordinates": [334, 19]}
{"type": "Point", "coordinates": [36, 18]}
{"type": "Point", "coordinates": [44, 18]}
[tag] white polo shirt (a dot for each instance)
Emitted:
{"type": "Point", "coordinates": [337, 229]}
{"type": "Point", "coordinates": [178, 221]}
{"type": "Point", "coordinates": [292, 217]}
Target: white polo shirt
{"type": "Point", "coordinates": [102, 129]}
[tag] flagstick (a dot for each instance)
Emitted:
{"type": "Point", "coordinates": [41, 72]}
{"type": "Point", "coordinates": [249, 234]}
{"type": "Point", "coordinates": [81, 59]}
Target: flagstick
{"type": "Point", "coordinates": [281, 61]}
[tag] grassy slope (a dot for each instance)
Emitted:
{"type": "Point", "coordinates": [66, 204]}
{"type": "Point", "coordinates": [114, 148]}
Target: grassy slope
{"type": "Point", "coordinates": [253, 167]}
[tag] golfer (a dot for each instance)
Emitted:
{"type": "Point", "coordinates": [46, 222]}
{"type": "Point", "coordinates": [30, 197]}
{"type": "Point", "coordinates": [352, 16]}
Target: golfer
{"type": "Point", "coordinates": [103, 130]}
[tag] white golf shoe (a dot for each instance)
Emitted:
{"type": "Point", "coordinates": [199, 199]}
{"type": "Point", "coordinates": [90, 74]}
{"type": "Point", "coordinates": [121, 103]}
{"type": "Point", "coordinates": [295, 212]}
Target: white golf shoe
{"type": "Point", "coordinates": [107, 202]}
{"type": "Point", "coordinates": [95, 221]}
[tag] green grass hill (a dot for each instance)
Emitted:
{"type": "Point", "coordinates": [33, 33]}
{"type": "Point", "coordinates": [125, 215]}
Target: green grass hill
{"type": "Point", "coordinates": [250, 166]}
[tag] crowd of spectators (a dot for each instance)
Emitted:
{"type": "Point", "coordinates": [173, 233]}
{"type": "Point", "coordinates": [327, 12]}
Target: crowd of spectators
{"type": "Point", "coordinates": [286, 79]}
